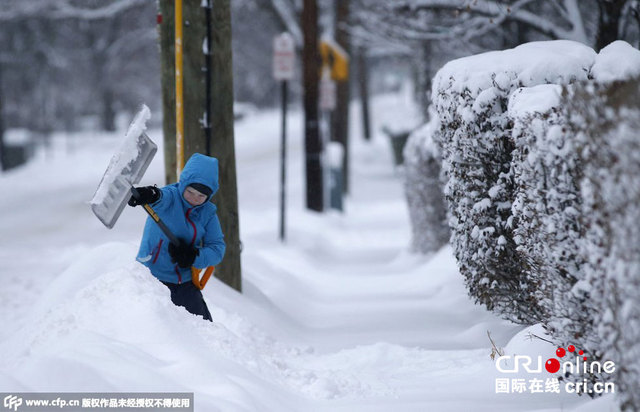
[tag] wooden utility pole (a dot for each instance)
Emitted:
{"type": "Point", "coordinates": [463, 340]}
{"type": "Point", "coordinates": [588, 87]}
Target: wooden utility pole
{"type": "Point", "coordinates": [222, 140]}
{"type": "Point", "coordinates": [221, 117]}
{"type": "Point", "coordinates": [313, 144]}
{"type": "Point", "coordinates": [340, 118]}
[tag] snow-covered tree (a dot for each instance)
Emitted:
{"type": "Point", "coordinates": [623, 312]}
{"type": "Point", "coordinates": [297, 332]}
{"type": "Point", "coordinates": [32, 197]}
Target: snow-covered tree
{"type": "Point", "coordinates": [423, 190]}
{"type": "Point", "coordinates": [473, 19]}
{"type": "Point", "coordinates": [63, 60]}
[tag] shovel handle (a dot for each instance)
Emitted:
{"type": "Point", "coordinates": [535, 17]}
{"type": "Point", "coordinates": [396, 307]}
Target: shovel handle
{"type": "Point", "coordinates": [195, 273]}
{"type": "Point", "coordinates": [172, 238]}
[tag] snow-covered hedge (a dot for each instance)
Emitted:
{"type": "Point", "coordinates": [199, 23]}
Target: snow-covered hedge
{"type": "Point", "coordinates": [423, 189]}
{"type": "Point", "coordinates": [547, 208]}
{"type": "Point", "coordinates": [610, 154]}
{"type": "Point", "coordinates": [471, 98]}
{"type": "Point", "coordinates": [541, 159]}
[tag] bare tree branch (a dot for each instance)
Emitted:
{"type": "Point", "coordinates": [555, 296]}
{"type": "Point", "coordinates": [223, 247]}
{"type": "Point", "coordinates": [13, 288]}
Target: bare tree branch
{"type": "Point", "coordinates": [572, 30]}
{"type": "Point", "coordinates": [63, 9]}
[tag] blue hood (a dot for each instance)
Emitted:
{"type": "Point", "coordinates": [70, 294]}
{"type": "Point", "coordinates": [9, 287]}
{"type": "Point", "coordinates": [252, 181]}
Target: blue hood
{"type": "Point", "coordinates": [200, 169]}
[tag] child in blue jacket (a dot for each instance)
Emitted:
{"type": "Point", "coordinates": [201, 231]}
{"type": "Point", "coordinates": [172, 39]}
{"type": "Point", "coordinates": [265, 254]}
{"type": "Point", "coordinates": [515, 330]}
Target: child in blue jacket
{"type": "Point", "coordinates": [185, 208]}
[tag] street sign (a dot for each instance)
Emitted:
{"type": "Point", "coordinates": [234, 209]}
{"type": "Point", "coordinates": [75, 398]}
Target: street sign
{"type": "Point", "coordinates": [328, 93]}
{"type": "Point", "coordinates": [335, 59]}
{"type": "Point", "coordinates": [283, 57]}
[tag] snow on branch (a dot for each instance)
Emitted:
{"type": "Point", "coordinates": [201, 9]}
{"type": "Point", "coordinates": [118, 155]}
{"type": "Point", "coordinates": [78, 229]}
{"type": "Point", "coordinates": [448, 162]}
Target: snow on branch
{"type": "Point", "coordinates": [289, 19]}
{"type": "Point", "coordinates": [64, 9]}
{"type": "Point", "coordinates": [573, 30]}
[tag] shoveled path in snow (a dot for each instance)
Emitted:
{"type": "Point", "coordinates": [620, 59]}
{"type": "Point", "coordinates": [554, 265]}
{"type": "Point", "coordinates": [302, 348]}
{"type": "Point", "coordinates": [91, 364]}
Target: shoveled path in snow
{"type": "Point", "coordinates": [344, 285]}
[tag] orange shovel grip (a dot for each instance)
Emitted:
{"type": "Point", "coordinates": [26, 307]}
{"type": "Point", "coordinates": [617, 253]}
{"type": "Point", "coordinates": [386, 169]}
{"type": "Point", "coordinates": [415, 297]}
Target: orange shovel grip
{"type": "Point", "coordinates": [201, 282]}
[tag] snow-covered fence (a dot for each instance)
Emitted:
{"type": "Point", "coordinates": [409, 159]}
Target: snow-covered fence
{"type": "Point", "coordinates": [423, 189]}
{"type": "Point", "coordinates": [471, 97]}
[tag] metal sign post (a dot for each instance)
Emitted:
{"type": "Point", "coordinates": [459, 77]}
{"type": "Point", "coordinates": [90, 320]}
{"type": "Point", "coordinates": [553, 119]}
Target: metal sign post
{"type": "Point", "coordinates": [283, 70]}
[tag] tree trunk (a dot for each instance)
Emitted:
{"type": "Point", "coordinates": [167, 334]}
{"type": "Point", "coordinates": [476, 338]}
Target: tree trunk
{"type": "Point", "coordinates": [608, 22]}
{"type": "Point", "coordinates": [341, 115]}
{"type": "Point", "coordinates": [425, 74]}
{"type": "Point", "coordinates": [108, 112]}
{"type": "Point", "coordinates": [363, 82]}
{"type": "Point", "coordinates": [221, 116]}
{"type": "Point", "coordinates": [313, 145]}
{"type": "Point", "coordinates": [2, 149]}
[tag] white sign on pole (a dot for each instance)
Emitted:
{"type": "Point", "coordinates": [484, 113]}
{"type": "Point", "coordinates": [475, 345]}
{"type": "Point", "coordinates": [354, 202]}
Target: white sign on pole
{"type": "Point", "coordinates": [327, 93]}
{"type": "Point", "coordinates": [283, 57]}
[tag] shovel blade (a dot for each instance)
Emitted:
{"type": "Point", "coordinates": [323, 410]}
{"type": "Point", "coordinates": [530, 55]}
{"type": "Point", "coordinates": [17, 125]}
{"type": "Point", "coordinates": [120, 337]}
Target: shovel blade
{"type": "Point", "coordinates": [126, 168]}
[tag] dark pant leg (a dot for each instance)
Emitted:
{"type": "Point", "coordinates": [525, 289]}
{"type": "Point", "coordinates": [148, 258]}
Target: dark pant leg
{"type": "Point", "coordinates": [189, 297]}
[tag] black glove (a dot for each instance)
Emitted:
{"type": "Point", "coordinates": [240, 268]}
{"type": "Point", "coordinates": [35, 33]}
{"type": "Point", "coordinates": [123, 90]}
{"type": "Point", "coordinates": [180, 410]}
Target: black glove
{"type": "Point", "coordinates": [183, 254]}
{"type": "Point", "coordinates": [146, 195]}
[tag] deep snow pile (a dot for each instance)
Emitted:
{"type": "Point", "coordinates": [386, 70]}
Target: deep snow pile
{"type": "Point", "coordinates": [340, 317]}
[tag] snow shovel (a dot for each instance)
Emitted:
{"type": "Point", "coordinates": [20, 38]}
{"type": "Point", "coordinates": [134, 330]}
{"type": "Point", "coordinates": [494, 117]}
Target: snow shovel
{"type": "Point", "coordinates": [126, 168]}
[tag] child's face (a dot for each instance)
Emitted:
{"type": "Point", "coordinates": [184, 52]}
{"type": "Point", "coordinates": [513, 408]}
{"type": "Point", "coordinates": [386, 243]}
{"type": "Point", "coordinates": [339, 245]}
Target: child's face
{"type": "Point", "coordinates": [193, 197]}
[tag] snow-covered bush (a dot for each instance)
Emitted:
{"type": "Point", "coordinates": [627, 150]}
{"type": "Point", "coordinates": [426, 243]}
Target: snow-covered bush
{"type": "Point", "coordinates": [610, 152]}
{"type": "Point", "coordinates": [423, 189]}
{"type": "Point", "coordinates": [471, 97]}
{"type": "Point", "coordinates": [547, 207]}
{"type": "Point", "coordinates": [549, 164]}
{"type": "Point", "coordinates": [541, 159]}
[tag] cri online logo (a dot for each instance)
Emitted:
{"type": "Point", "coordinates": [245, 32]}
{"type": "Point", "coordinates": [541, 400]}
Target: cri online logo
{"type": "Point", "coordinates": [553, 365]}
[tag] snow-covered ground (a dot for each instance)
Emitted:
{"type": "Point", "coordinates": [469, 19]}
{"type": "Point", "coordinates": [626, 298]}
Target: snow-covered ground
{"type": "Point", "coordinates": [340, 317]}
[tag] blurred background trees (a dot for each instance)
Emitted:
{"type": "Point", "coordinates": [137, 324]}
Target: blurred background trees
{"type": "Point", "coordinates": [74, 64]}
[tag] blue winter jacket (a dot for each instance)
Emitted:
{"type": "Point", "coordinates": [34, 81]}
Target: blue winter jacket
{"type": "Point", "coordinates": [198, 225]}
